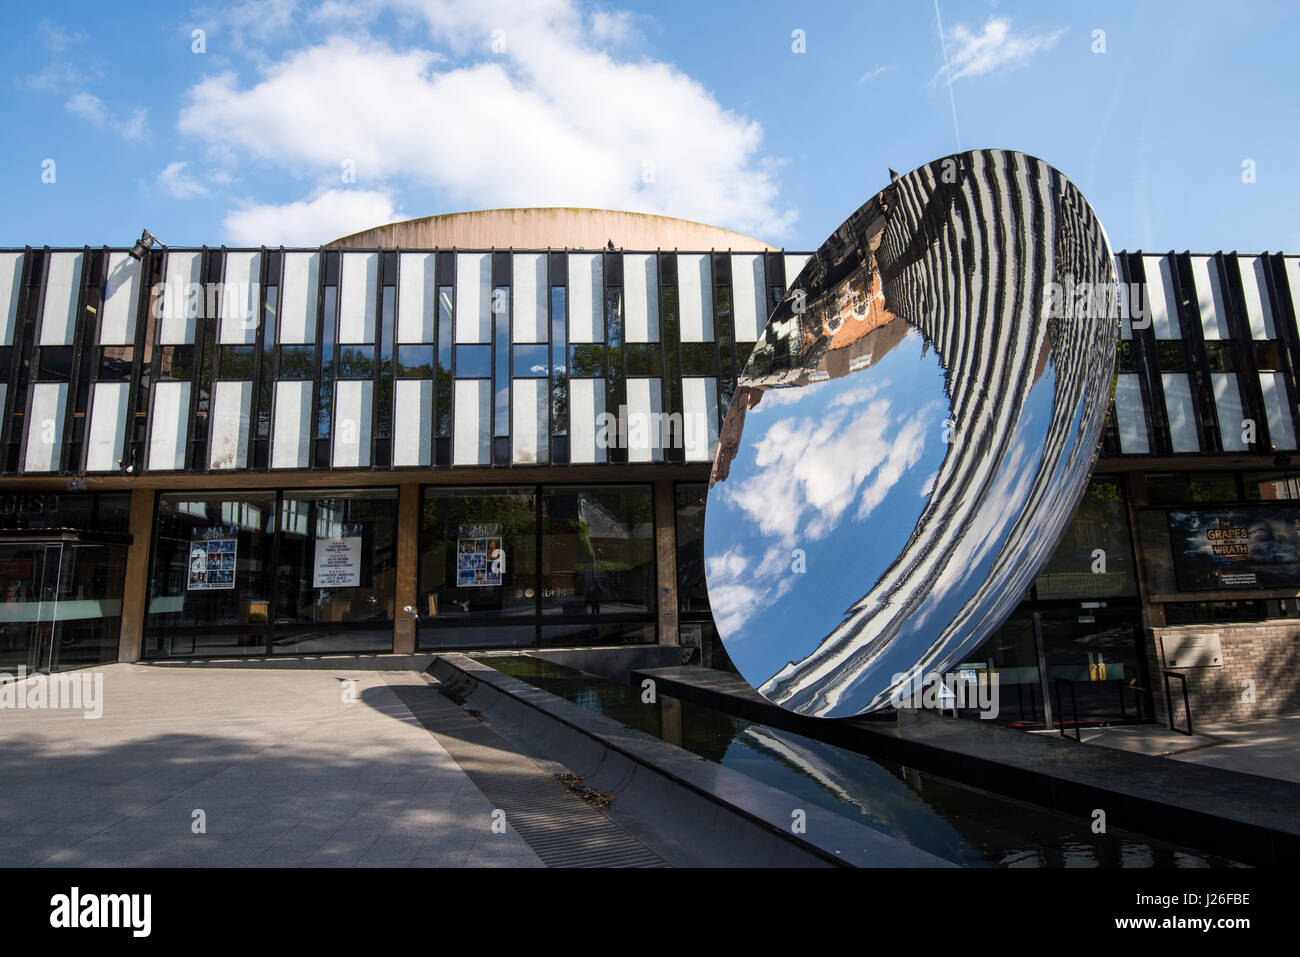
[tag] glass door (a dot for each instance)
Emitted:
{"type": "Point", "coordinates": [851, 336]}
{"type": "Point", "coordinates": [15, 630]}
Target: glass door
{"type": "Point", "coordinates": [1097, 650]}
{"type": "Point", "coordinates": [29, 575]}
{"type": "Point", "coordinates": [60, 604]}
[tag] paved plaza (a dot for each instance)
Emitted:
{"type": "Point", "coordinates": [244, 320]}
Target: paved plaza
{"type": "Point", "coordinates": [285, 771]}
{"type": "Point", "coordinates": [1269, 747]}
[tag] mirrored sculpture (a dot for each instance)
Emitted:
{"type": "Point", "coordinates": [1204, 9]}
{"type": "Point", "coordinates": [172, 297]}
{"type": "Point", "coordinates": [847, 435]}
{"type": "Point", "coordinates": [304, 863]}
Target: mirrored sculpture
{"type": "Point", "coordinates": [912, 432]}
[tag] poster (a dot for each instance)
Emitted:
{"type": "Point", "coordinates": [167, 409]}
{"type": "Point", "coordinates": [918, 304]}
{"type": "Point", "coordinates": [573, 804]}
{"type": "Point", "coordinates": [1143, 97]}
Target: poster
{"type": "Point", "coordinates": [337, 563]}
{"type": "Point", "coordinates": [1235, 548]}
{"type": "Point", "coordinates": [212, 564]}
{"type": "Point", "coordinates": [476, 547]}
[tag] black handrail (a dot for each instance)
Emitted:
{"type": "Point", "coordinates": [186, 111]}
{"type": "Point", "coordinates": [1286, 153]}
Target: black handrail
{"type": "Point", "coordinates": [1074, 707]}
{"type": "Point", "coordinates": [1169, 702]}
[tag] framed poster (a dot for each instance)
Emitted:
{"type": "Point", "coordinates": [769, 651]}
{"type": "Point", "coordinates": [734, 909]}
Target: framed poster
{"type": "Point", "coordinates": [476, 547]}
{"type": "Point", "coordinates": [1235, 548]}
{"type": "Point", "coordinates": [212, 564]}
{"type": "Point", "coordinates": [337, 563]}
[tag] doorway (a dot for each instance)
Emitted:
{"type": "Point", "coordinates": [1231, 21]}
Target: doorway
{"type": "Point", "coordinates": [60, 603]}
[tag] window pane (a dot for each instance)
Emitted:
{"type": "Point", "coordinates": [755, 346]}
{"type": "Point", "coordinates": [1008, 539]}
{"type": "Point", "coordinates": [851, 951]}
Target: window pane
{"type": "Point", "coordinates": [1075, 569]}
{"type": "Point", "coordinates": [531, 361]}
{"type": "Point", "coordinates": [697, 359]}
{"type": "Point", "coordinates": [212, 561]}
{"type": "Point", "coordinates": [1271, 486]}
{"type": "Point", "coordinates": [356, 362]}
{"type": "Point", "coordinates": [692, 595]}
{"type": "Point", "coordinates": [236, 362]}
{"type": "Point", "coordinates": [338, 563]}
{"type": "Point", "coordinates": [473, 362]}
{"type": "Point", "coordinates": [415, 362]}
{"type": "Point", "coordinates": [479, 551]}
{"type": "Point", "coordinates": [644, 359]}
{"type": "Point", "coordinates": [597, 550]}
{"type": "Point", "coordinates": [297, 362]}
{"type": "Point", "coordinates": [587, 360]}
{"type": "Point", "coordinates": [56, 363]}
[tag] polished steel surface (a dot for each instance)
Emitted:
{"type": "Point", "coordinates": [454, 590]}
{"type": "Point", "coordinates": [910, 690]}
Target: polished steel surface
{"type": "Point", "coordinates": [912, 432]}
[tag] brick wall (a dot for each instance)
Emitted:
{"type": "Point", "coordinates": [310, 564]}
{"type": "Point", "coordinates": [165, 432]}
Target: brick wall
{"type": "Point", "coordinates": [1265, 653]}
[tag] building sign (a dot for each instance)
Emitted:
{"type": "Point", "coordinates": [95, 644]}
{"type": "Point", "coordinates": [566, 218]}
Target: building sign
{"type": "Point", "coordinates": [337, 564]}
{"type": "Point", "coordinates": [212, 563]}
{"type": "Point", "coordinates": [1236, 548]}
{"type": "Point", "coordinates": [480, 558]}
{"type": "Point", "coordinates": [1193, 651]}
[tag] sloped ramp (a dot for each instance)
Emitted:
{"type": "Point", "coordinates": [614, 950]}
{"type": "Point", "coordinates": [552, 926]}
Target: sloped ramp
{"type": "Point", "coordinates": [561, 828]}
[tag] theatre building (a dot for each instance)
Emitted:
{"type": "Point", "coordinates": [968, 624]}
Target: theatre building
{"type": "Point", "coordinates": [495, 429]}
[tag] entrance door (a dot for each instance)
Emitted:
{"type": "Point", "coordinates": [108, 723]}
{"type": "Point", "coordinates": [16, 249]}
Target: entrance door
{"type": "Point", "coordinates": [1098, 651]}
{"type": "Point", "coordinates": [29, 575]}
{"type": "Point", "coordinates": [60, 604]}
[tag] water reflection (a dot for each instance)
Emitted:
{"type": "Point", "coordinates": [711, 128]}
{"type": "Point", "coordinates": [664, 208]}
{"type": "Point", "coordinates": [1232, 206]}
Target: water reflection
{"type": "Point", "coordinates": [949, 820]}
{"type": "Point", "coordinates": [912, 433]}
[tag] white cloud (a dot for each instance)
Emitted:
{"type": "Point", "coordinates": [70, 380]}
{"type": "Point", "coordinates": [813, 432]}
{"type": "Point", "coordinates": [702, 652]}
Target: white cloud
{"type": "Point", "coordinates": [245, 24]}
{"type": "Point", "coordinates": [135, 127]}
{"type": "Point", "coordinates": [179, 184]}
{"type": "Point", "coordinates": [731, 564]}
{"type": "Point", "coordinates": [998, 46]}
{"type": "Point", "coordinates": [64, 72]}
{"type": "Point", "coordinates": [615, 28]}
{"type": "Point", "coordinates": [734, 591]}
{"type": "Point", "coordinates": [91, 108]}
{"type": "Point", "coordinates": [88, 107]}
{"type": "Point", "coordinates": [553, 119]}
{"type": "Point", "coordinates": [871, 74]}
{"type": "Point", "coordinates": [330, 215]}
{"type": "Point", "coordinates": [56, 39]}
{"type": "Point", "coordinates": [809, 471]}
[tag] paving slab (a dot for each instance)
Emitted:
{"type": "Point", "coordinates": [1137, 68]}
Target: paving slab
{"type": "Point", "coordinates": [285, 769]}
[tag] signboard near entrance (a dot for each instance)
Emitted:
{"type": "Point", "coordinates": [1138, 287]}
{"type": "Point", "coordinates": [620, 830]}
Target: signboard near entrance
{"type": "Point", "coordinates": [1192, 651]}
{"type": "Point", "coordinates": [337, 564]}
{"type": "Point", "coordinates": [1236, 548]}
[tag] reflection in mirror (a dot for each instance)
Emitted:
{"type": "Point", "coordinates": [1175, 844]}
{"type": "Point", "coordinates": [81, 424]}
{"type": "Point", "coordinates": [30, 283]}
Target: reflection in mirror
{"type": "Point", "coordinates": [911, 433]}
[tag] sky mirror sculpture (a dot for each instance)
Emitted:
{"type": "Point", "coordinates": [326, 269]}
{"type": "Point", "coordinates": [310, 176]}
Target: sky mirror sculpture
{"type": "Point", "coordinates": [912, 432]}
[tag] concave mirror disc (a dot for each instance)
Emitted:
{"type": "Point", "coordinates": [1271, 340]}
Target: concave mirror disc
{"type": "Point", "coordinates": [912, 433]}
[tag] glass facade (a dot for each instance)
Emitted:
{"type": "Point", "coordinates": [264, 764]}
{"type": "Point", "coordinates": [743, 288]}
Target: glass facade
{"type": "Point", "coordinates": [284, 364]}
{"type": "Point", "coordinates": [524, 565]}
{"type": "Point", "coordinates": [251, 573]}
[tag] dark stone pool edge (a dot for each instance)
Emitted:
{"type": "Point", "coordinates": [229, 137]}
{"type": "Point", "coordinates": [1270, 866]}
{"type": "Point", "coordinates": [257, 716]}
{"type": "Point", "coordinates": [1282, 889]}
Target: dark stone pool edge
{"type": "Point", "coordinates": [669, 788]}
{"type": "Point", "coordinates": [1241, 817]}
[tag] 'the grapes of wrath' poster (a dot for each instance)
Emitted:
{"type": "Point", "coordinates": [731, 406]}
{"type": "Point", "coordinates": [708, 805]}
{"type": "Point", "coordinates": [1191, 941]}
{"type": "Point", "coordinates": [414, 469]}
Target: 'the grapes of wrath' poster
{"type": "Point", "coordinates": [1235, 548]}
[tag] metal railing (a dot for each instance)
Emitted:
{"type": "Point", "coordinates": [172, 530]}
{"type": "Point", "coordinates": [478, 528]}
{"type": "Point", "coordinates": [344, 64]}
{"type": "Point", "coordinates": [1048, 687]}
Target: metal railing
{"type": "Point", "coordinates": [1074, 707]}
{"type": "Point", "coordinates": [1169, 702]}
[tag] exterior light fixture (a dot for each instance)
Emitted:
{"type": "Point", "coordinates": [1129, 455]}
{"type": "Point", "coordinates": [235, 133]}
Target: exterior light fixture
{"type": "Point", "coordinates": [144, 244]}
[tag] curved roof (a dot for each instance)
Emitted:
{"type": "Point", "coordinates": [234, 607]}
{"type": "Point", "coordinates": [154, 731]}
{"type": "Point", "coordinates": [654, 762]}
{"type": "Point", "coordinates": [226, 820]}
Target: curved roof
{"type": "Point", "coordinates": [551, 228]}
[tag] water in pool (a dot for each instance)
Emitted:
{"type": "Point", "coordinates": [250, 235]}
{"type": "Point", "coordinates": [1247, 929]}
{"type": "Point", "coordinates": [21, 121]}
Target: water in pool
{"type": "Point", "coordinates": [955, 822]}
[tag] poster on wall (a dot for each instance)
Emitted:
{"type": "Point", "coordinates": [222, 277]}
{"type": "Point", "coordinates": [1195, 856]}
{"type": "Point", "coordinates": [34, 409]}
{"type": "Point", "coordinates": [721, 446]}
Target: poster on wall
{"type": "Point", "coordinates": [337, 563]}
{"type": "Point", "coordinates": [1236, 548]}
{"type": "Point", "coordinates": [478, 564]}
{"type": "Point", "coordinates": [212, 564]}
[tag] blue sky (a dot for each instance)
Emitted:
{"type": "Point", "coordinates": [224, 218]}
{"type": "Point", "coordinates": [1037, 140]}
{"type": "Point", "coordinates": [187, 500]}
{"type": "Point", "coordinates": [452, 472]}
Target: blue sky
{"type": "Point", "coordinates": [303, 121]}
